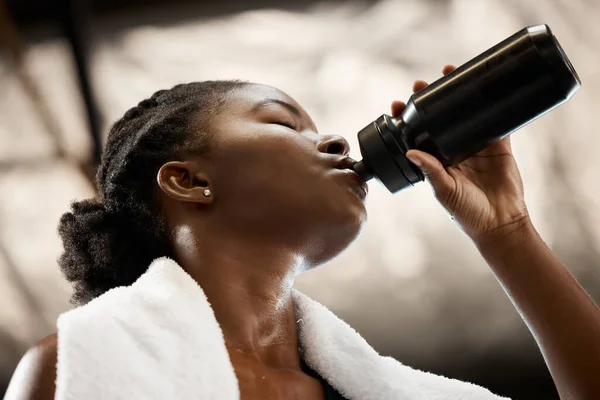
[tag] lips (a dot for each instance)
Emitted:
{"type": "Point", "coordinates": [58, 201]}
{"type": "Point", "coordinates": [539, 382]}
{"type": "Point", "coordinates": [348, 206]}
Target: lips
{"type": "Point", "coordinates": [345, 163]}
{"type": "Point", "coordinates": [357, 184]}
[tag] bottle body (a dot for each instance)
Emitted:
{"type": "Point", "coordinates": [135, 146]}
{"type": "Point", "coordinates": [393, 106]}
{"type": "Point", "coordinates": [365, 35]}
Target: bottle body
{"type": "Point", "coordinates": [489, 97]}
{"type": "Point", "coordinates": [479, 103]}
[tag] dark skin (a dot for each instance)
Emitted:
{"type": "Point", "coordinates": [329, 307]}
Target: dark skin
{"type": "Point", "coordinates": [280, 205]}
{"type": "Point", "coordinates": [256, 163]}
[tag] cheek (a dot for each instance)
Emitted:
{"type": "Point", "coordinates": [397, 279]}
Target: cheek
{"type": "Point", "coordinates": [267, 166]}
{"type": "Point", "coordinates": [284, 182]}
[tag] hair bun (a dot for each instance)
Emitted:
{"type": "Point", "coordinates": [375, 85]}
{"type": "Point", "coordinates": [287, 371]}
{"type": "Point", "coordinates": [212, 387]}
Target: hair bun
{"type": "Point", "coordinates": [89, 206]}
{"type": "Point", "coordinates": [89, 232]}
{"type": "Point", "coordinates": [98, 243]}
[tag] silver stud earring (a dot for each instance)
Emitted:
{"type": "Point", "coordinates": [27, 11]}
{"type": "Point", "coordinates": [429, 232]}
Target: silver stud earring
{"type": "Point", "coordinates": [207, 192]}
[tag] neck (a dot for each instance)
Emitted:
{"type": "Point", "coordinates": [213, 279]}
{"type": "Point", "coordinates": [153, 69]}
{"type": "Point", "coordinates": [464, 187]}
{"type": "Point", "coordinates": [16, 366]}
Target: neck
{"type": "Point", "coordinates": [249, 286]}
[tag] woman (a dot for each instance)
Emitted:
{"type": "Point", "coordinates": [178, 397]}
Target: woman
{"type": "Point", "coordinates": [232, 181]}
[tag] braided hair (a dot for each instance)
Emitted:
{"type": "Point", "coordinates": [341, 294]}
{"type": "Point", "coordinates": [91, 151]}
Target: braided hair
{"type": "Point", "coordinates": [110, 241]}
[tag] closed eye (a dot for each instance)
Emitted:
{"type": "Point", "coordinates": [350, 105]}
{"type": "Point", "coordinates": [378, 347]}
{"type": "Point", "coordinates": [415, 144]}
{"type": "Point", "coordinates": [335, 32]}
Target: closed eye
{"type": "Point", "coordinates": [287, 125]}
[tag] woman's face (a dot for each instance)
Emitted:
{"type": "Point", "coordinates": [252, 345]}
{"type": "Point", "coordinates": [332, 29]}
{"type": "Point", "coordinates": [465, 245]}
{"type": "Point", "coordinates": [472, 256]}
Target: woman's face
{"type": "Point", "coordinates": [275, 178]}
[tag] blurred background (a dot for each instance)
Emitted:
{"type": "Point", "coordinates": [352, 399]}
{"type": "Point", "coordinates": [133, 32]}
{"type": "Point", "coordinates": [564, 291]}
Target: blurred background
{"type": "Point", "coordinates": [413, 285]}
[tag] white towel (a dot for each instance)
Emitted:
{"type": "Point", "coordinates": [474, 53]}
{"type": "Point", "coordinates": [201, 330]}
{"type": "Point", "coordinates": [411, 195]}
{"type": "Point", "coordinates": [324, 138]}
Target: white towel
{"type": "Point", "coordinates": [159, 339]}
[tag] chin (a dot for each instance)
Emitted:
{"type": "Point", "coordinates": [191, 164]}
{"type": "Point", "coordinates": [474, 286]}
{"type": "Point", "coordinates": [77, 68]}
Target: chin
{"type": "Point", "coordinates": [338, 235]}
{"type": "Point", "coordinates": [353, 215]}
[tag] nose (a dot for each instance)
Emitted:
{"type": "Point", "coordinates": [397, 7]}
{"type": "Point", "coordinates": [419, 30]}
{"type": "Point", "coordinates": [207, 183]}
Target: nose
{"type": "Point", "coordinates": [333, 144]}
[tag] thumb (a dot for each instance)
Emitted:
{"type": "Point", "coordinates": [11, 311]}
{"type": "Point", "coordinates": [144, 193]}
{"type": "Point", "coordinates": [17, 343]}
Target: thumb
{"type": "Point", "coordinates": [434, 172]}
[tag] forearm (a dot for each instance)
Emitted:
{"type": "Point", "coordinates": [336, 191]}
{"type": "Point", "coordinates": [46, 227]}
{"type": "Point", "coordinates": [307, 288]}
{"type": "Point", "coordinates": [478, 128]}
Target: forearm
{"type": "Point", "coordinates": [563, 319]}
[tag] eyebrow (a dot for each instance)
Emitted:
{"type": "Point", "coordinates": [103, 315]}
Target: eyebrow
{"type": "Point", "coordinates": [290, 107]}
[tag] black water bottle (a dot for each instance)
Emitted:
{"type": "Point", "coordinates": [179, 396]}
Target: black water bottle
{"type": "Point", "coordinates": [466, 111]}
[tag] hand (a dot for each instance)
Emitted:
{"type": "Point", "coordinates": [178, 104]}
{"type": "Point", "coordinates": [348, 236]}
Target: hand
{"type": "Point", "coordinates": [483, 194]}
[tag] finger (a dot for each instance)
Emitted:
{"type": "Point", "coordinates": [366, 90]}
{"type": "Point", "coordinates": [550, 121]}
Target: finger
{"type": "Point", "coordinates": [435, 173]}
{"type": "Point", "coordinates": [397, 108]}
{"type": "Point", "coordinates": [448, 68]}
{"type": "Point", "coordinates": [419, 85]}
{"type": "Point", "coordinates": [502, 146]}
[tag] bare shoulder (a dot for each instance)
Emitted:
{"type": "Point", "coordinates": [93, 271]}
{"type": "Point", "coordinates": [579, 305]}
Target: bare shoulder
{"type": "Point", "coordinates": [35, 375]}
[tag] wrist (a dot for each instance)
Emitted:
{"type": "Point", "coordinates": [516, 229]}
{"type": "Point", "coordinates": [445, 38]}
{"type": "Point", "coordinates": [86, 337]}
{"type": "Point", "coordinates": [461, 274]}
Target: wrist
{"type": "Point", "coordinates": [507, 238]}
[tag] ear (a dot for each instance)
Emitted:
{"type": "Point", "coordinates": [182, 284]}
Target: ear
{"type": "Point", "coordinates": [182, 181]}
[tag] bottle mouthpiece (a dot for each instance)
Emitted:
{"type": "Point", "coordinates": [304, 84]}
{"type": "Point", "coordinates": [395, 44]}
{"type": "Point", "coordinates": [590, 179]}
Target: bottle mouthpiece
{"type": "Point", "coordinates": [361, 169]}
